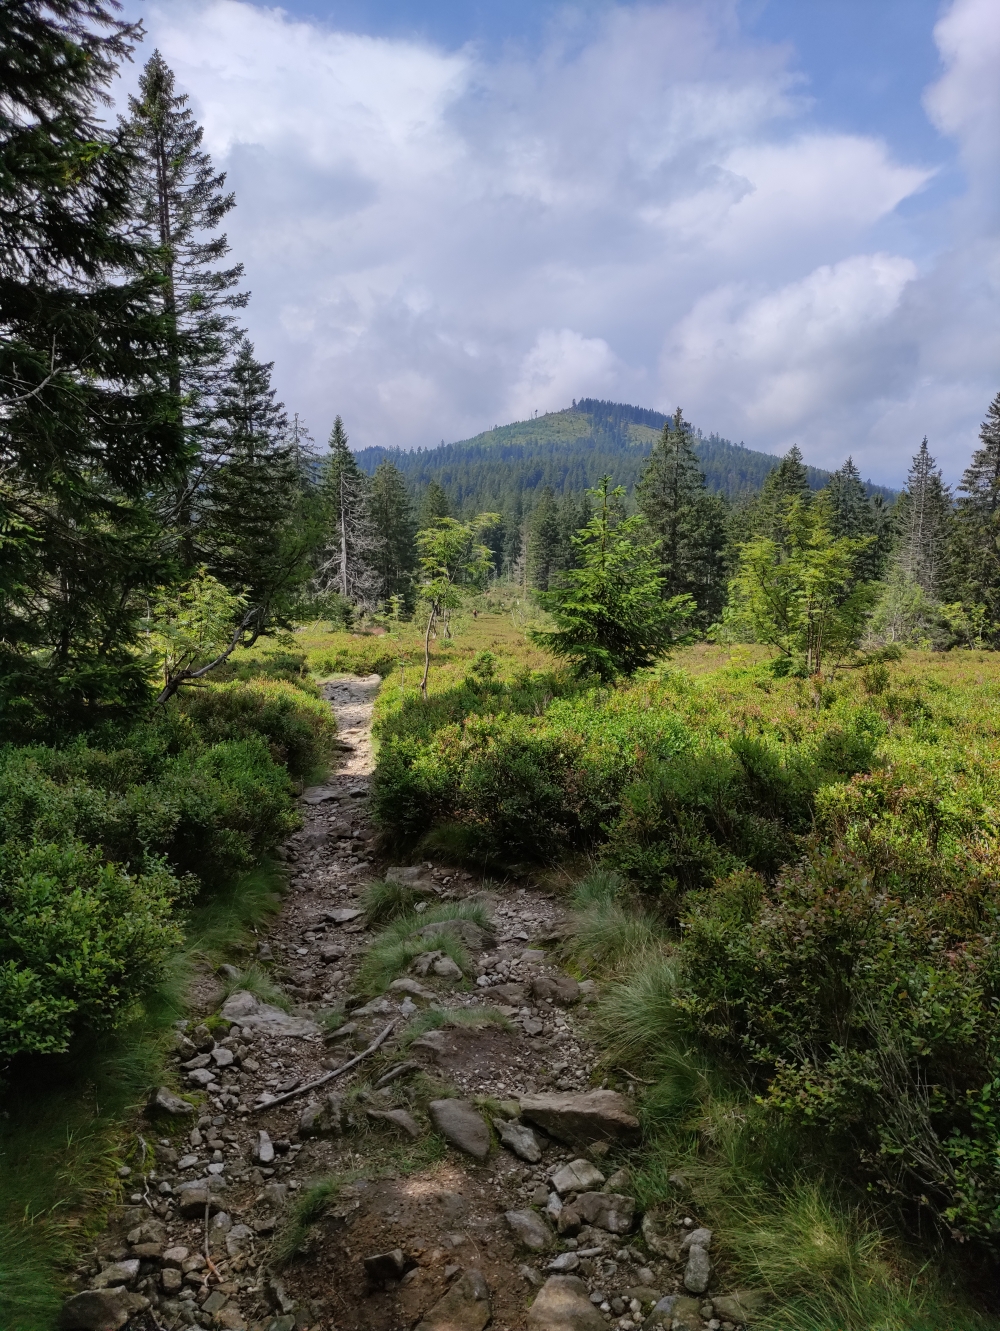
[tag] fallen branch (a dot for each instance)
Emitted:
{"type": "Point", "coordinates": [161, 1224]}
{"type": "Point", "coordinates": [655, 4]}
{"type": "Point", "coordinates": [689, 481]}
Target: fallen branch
{"type": "Point", "coordinates": [321, 1081]}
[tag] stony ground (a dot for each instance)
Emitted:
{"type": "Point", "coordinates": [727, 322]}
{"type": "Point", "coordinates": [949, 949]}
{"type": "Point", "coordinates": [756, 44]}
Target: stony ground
{"type": "Point", "coordinates": [474, 1173]}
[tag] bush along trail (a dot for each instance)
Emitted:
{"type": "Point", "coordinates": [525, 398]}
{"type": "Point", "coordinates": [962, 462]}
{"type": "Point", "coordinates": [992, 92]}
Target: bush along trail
{"type": "Point", "coordinates": [466, 1168]}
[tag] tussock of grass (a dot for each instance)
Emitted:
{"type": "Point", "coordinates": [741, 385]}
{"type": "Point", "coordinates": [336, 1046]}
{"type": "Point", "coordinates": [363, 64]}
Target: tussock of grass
{"type": "Point", "coordinates": [391, 953]}
{"type": "Point", "coordinates": [255, 980]}
{"type": "Point", "coordinates": [636, 1013]}
{"type": "Point", "coordinates": [387, 900]}
{"type": "Point", "coordinates": [310, 1207]}
{"type": "Point", "coordinates": [607, 934]}
{"type": "Point", "coordinates": [599, 888]}
{"type": "Point", "coordinates": [434, 1019]}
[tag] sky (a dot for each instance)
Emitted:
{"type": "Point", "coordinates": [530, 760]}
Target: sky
{"type": "Point", "coordinates": [781, 216]}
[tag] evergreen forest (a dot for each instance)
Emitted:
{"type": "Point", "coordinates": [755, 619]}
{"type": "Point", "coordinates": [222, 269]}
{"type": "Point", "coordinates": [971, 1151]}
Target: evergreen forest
{"type": "Point", "coordinates": [339, 787]}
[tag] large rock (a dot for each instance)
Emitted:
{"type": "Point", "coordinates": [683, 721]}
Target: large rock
{"type": "Point", "coordinates": [125, 1272]}
{"type": "Point", "coordinates": [96, 1310]}
{"type": "Point", "coordinates": [324, 1117]}
{"type": "Point", "coordinates": [677, 1311]}
{"type": "Point", "coordinates": [563, 1304]}
{"type": "Point", "coordinates": [581, 1118]}
{"type": "Point", "coordinates": [194, 1197]}
{"type": "Point", "coordinates": [698, 1271]}
{"type": "Point", "coordinates": [465, 1307]}
{"type": "Point", "coordinates": [519, 1139]}
{"type": "Point", "coordinates": [556, 988]}
{"type": "Point", "coordinates": [577, 1176]}
{"type": "Point", "coordinates": [513, 995]}
{"type": "Point", "coordinates": [462, 1126]}
{"type": "Point", "coordinates": [164, 1101]}
{"type": "Point", "coordinates": [531, 1229]}
{"type": "Point", "coordinates": [610, 1211]}
{"type": "Point", "coordinates": [248, 1010]}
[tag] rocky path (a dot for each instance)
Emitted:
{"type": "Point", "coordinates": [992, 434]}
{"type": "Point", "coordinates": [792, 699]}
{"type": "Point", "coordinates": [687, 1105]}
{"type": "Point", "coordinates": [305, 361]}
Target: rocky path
{"type": "Point", "coordinates": [473, 1176]}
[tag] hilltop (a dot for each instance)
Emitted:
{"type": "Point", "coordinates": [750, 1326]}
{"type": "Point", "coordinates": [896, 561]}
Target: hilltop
{"type": "Point", "coordinates": [571, 450]}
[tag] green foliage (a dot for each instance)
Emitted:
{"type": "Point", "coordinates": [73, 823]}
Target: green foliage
{"type": "Point", "coordinates": [611, 615]}
{"type": "Point", "coordinates": [82, 940]}
{"type": "Point", "coordinates": [390, 954]}
{"type": "Point", "coordinates": [452, 561]}
{"type": "Point", "coordinates": [386, 899]}
{"type": "Point", "coordinates": [799, 592]}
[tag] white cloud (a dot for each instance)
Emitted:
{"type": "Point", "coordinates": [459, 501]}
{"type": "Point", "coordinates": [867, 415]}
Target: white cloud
{"type": "Point", "coordinates": [437, 241]}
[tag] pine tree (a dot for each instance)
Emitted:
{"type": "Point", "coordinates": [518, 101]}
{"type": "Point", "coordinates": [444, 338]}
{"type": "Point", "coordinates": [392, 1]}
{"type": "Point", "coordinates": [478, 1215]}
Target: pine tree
{"type": "Point", "coordinates": [923, 523]}
{"type": "Point", "coordinates": [543, 541]}
{"type": "Point", "coordinates": [259, 527]}
{"type": "Point", "coordinates": [346, 560]}
{"type": "Point", "coordinates": [87, 421]}
{"type": "Point", "coordinates": [394, 553]}
{"type": "Point", "coordinates": [688, 522]}
{"type": "Point", "coordinates": [180, 203]}
{"type": "Point", "coordinates": [975, 549]}
{"type": "Point", "coordinates": [853, 513]}
{"type": "Point", "coordinates": [434, 505]}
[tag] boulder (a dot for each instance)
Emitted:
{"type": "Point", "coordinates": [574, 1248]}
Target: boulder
{"type": "Point", "coordinates": [323, 1118]}
{"type": "Point", "coordinates": [412, 875]}
{"type": "Point", "coordinates": [246, 1009]}
{"type": "Point", "coordinates": [610, 1211]}
{"type": "Point", "coordinates": [95, 1310]}
{"type": "Point", "coordinates": [563, 1304]}
{"type": "Point", "coordinates": [164, 1101]}
{"type": "Point", "coordinates": [465, 1306]}
{"type": "Point", "coordinates": [561, 989]}
{"type": "Point", "coordinates": [462, 1126]}
{"type": "Point", "coordinates": [532, 1230]}
{"type": "Point", "coordinates": [519, 1139]}
{"type": "Point", "coordinates": [436, 963]}
{"type": "Point", "coordinates": [577, 1176]}
{"type": "Point", "coordinates": [413, 988]}
{"type": "Point", "coordinates": [582, 1118]}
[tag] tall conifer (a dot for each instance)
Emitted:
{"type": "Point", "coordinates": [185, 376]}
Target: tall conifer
{"type": "Point", "coordinates": [543, 541]}
{"type": "Point", "coordinates": [346, 561]}
{"type": "Point", "coordinates": [394, 551]}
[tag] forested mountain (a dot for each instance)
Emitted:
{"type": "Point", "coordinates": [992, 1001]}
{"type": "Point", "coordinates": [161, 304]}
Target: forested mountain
{"type": "Point", "coordinates": [570, 451]}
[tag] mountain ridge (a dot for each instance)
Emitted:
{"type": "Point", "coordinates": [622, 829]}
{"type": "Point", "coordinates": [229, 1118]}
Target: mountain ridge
{"type": "Point", "coordinates": [570, 450]}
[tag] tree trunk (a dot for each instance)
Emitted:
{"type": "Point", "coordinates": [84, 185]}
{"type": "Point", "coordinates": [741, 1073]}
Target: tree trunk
{"type": "Point", "coordinates": [343, 540]}
{"type": "Point", "coordinates": [427, 651]}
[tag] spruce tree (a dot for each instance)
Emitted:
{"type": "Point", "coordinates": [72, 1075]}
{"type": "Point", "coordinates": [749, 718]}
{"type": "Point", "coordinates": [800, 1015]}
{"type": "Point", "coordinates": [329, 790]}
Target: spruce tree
{"type": "Point", "coordinates": [258, 527]}
{"type": "Point", "coordinates": [180, 203]}
{"type": "Point", "coordinates": [394, 551]}
{"type": "Point", "coordinates": [975, 550]}
{"type": "Point", "coordinates": [853, 513]}
{"type": "Point", "coordinates": [923, 523]}
{"type": "Point", "coordinates": [346, 560]}
{"type": "Point", "coordinates": [434, 505]}
{"type": "Point", "coordinates": [88, 425]}
{"type": "Point", "coordinates": [543, 541]}
{"type": "Point", "coordinates": [688, 522]}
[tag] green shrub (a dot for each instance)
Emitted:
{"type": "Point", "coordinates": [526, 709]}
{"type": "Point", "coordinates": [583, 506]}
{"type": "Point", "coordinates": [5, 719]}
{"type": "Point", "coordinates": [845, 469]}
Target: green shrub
{"type": "Point", "coordinates": [298, 728]}
{"type": "Point", "coordinates": [82, 939]}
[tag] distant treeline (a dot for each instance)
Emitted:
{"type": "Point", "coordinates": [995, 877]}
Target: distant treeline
{"type": "Point", "coordinates": [570, 451]}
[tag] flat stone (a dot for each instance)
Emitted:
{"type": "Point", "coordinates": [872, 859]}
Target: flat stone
{"type": "Point", "coordinates": [462, 1126]}
{"type": "Point", "coordinates": [464, 1307]}
{"type": "Point", "coordinates": [532, 956]}
{"type": "Point", "coordinates": [412, 987]}
{"type": "Point", "coordinates": [238, 1240]}
{"type": "Point", "coordinates": [519, 1139]}
{"type": "Point", "coordinates": [264, 1150]}
{"type": "Point", "coordinates": [342, 914]}
{"type": "Point", "coordinates": [432, 1042]}
{"type": "Point", "coordinates": [566, 1261]}
{"type": "Point", "coordinates": [410, 874]}
{"type": "Point", "coordinates": [148, 1252]}
{"type": "Point", "coordinates": [531, 1229]}
{"type": "Point", "coordinates": [171, 1280]}
{"type": "Point", "coordinates": [696, 1238]}
{"type": "Point", "coordinates": [698, 1271]}
{"type": "Point", "coordinates": [193, 1198]}
{"type": "Point", "coordinates": [174, 1256]}
{"type": "Point", "coordinates": [563, 1304]}
{"type": "Point", "coordinates": [532, 1026]}
{"type": "Point", "coordinates": [582, 1118]}
{"type": "Point", "coordinates": [513, 995]}
{"type": "Point", "coordinates": [577, 1176]}
{"type": "Point", "coordinates": [222, 1057]}
{"type": "Point", "coordinates": [95, 1310]}
{"type": "Point", "coordinates": [740, 1307]}
{"type": "Point", "coordinates": [319, 794]}
{"type": "Point", "coordinates": [397, 1118]}
{"type": "Point", "coordinates": [332, 952]}
{"type": "Point", "coordinates": [215, 1302]}
{"type": "Point", "coordinates": [119, 1273]}
{"type": "Point", "coordinates": [201, 1077]}
{"type": "Point", "coordinates": [674, 1310]}
{"type": "Point", "coordinates": [249, 1011]}
{"type": "Point", "coordinates": [199, 1061]}
{"type": "Point", "coordinates": [229, 1318]}
{"type": "Point", "coordinates": [562, 989]}
{"type": "Point", "coordinates": [164, 1101]}
{"type": "Point", "coordinates": [187, 1162]}
{"type": "Point", "coordinates": [610, 1211]}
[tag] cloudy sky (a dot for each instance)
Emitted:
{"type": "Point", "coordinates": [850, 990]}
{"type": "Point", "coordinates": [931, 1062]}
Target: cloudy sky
{"type": "Point", "coordinates": [781, 215]}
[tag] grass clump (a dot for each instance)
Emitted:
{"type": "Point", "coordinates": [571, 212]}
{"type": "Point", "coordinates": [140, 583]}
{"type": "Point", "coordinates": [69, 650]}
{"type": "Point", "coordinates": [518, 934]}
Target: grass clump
{"type": "Point", "coordinates": [435, 1019]}
{"type": "Point", "coordinates": [390, 955]}
{"type": "Point", "coordinates": [386, 900]}
{"type": "Point", "coordinates": [309, 1208]}
{"type": "Point", "coordinates": [255, 980]}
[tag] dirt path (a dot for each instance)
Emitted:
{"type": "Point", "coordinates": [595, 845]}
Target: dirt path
{"type": "Point", "coordinates": [415, 1232]}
